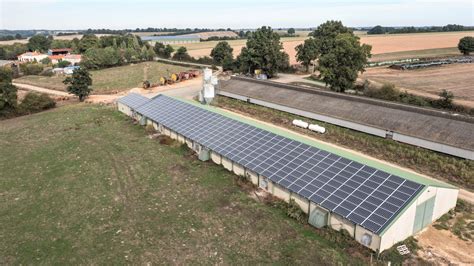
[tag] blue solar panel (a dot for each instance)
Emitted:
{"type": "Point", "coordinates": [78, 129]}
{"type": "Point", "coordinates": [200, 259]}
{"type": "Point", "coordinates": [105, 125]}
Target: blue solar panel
{"type": "Point", "coordinates": [133, 100]}
{"type": "Point", "coordinates": [360, 193]}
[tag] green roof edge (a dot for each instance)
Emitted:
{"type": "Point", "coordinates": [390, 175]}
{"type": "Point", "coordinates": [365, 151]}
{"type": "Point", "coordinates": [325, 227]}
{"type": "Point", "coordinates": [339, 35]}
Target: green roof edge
{"type": "Point", "coordinates": [320, 145]}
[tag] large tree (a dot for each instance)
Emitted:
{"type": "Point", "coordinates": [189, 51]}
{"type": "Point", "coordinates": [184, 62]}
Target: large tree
{"type": "Point", "coordinates": [88, 41]}
{"type": "Point", "coordinates": [325, 35]}
{"type": "Point", "coordinates": [340, 65]}
{"type": "Point", "coordinates": [263, 51]}
{"type": "Point", "coordinates": [163, 51]}
{"type": "Point", "coordinates": [80, 84]}
{"type": "Point", "coordinates": [466, 45]}
{"type": "Point", "coordinates": [307, 52]}
{"type": "Point", "coordinates": [181, 54]}
{"type": "Point", "coordinates": [221, 52]}
{"type": "Point", "coordinates": [8, 92]}
{"type": "Point", "coordinates": [39, 43]}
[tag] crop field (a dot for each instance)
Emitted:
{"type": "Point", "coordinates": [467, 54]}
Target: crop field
{"type": "Point", "coordinates": [81, 184]}
{"type": "Point", "coordinates": [457, 78]}
{"type": "Point", "coordinates": [111, 80]}
{"type": "Point", "coordinates": [381, 44]}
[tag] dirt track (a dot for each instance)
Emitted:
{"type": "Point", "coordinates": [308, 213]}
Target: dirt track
{"type": "Point", "coordinates": [442, 247]}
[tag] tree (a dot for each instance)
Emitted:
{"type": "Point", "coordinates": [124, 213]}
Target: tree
{"type": "Point", "coordinates": [168, 51]}
{"type": "Point", "coordinates": [377, 30]}
{"type": "Point", "coordinates": [39, 43]}
{"type": "Point", "coordinates": [63, 63]}
{"type": "Point", "coordinates": [291, 31]}
{"type": "Point", "coordinates": [18, 36]}
{"type": "Point", "coordinates": [181, 54]}
{"type": "Point", "coordinates": [8, 92]}
{"type": "Point", "coordinates": [307, 52]}
{"type": "Point", "coordinates": [340, 65]}
{"type": "Point", "coordinates": [222, 51]}
{"type": "Point", "coordinates": [163, 51]}
{"type": "Point", "coordinates": [325, 35]}
{"type": "Point", "coordinates": [45, 61]}
{"type": "Point", "coordinates": [80, 84]}
{"type": "Point", "coordinates": [263, 51]}
{"type": "Point", "coordinates": [466, 45]}
{"type": "Point", "coordinates": [88, 41]}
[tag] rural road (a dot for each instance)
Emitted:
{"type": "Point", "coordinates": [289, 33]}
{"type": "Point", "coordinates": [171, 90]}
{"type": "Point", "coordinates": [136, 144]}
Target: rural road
{"type": "Point", "coordinates": [42, 90]}
{"type": "Point", "coordinates": [187, 90]}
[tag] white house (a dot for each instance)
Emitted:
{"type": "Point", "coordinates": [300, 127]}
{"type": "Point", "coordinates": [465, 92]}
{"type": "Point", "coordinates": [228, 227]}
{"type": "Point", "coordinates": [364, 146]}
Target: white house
{"type": "Point", "coordinates": [31, 57]}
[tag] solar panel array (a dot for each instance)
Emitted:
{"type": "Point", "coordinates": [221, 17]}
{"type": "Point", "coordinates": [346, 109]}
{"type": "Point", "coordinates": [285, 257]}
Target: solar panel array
{"type": "Point", "coordinates": [362, 194]}
{"type": "Point", "coordinates": [133, 100]}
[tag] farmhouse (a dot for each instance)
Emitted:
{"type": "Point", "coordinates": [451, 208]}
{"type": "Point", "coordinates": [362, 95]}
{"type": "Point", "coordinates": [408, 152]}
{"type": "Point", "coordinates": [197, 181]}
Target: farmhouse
{"type": "Point", "coordinates": [31, 57]}
{"type": "Point", "coordinates": [428, 128]}
{"type": "Point", "coordinates": [376, 204]}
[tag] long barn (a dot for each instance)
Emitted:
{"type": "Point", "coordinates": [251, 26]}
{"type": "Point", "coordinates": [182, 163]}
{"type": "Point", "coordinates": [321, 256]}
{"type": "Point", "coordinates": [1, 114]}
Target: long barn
{"type": "Point", "coordinates": [376, 204]}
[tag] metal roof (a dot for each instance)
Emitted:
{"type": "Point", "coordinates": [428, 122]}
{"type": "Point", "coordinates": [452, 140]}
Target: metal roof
{"type": "Point", "coordinates": [133, 100]}
{"type": "Point", "coordinates": [452, 130]}
{"type": "Point", "coordinates": [367, 196]}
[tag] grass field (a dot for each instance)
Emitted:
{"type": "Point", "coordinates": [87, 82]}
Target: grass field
{"type": "Point", "coordinates": [82, 185]}
{"type": "Point", "coordinates": [111, 80]}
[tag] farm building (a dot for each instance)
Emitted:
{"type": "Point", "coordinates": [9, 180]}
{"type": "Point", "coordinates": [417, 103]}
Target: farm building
{"type": "Point", "coordinates": [377, 204]}
{"type": "Point", "coordinates": [31, 57]}
{"type": "Point", "coordinates": [179, 39]}
{"type": "Point", "coordinates": [423, 127]}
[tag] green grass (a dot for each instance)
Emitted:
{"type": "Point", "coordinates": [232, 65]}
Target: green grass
{"type": "Point", "coordinates": [111, 80]}
{"type": "Point", "coordinates": [442, 167]}
{"type": "Point", "coordinates": [81, 184]}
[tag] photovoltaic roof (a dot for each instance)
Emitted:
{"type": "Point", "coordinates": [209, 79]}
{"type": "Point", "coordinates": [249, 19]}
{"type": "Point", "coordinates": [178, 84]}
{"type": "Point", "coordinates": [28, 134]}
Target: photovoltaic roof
{"type": "Point", "coordinates": [133, 100]}
{"type": "Point", "coordinates": [364, 195]}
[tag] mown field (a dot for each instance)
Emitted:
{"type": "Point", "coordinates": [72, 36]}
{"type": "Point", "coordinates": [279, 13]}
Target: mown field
{"type": "Point", "coordinates": [110, 80]}
{"type": "Point", "coordinates": [81, 184]}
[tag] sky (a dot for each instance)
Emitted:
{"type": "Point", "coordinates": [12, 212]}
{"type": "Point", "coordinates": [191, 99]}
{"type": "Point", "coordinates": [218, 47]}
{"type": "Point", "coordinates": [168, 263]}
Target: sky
{"type": "Point", "coordinates": [121, 14]}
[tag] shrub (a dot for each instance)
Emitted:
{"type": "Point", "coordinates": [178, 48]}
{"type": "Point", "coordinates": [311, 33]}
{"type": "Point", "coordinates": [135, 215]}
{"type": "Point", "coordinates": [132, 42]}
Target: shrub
{"type": "Point", "coordinates": [47, 73]}
{"type": "Point", "coordinates": [34, 102]}
{"type": "Point", "coordinates": [63, 63]}
{"type": "Point", "coordinates": [31, 68]}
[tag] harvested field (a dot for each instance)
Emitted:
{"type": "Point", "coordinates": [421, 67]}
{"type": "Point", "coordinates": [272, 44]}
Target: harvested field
{"type": "Point", "coordinates": [110, 80]}
{"type": "Point", "coordinates": [457, 78]}
{"type": "Point", "coordinates": [65, 37]}
{"type": "Point", "coordinates": [383, 44]}
{"type": "Point", "coordinates": [428, 53]}
{"type": "Point", "coordinates": [82, 185]}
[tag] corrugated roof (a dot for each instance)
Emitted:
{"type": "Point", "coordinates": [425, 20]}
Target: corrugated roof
{"type": "Point", "coordinates": [454, 132]}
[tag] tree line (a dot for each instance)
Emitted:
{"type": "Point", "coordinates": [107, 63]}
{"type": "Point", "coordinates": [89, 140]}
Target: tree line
{"type": "Point", "coordinates": [392, 30]}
